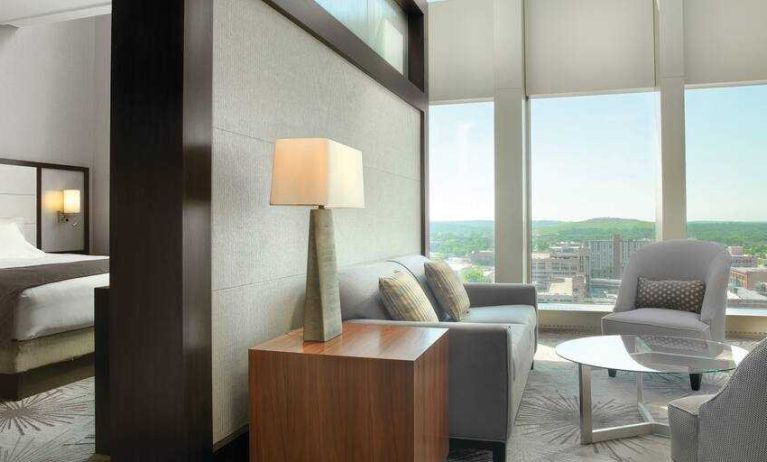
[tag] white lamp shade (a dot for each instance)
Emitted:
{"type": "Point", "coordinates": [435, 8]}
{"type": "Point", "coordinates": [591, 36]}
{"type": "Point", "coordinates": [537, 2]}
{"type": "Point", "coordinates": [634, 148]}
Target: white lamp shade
{"type": "Point", "coordinates": [317, 172]}
{"type": "Point", "coordinates": [71, 201]}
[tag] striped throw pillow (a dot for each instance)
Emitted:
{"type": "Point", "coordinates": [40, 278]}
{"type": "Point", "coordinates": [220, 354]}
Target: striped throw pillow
{"type": "Point", "coordinates": [404, 298]}
{"type": "Point", "coordinates": [448, 288]}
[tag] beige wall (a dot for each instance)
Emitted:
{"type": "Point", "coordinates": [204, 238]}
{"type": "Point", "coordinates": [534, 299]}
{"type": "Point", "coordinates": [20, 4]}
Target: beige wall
{"type": "Point", "coordinates": [272, 80]}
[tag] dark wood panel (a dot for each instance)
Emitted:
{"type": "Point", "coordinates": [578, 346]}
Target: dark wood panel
{"type": "Point", "coordinates": [24, 384]}
{"type": "Point", "coordinates": [101, 355]}
{"type": "Point", "coordinates": [160, 295]}
{"type": "Point", "coordinates": [314, 19]}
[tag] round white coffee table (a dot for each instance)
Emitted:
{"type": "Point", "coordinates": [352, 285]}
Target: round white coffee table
{"type": "Point", "coordinates": [644, 355]}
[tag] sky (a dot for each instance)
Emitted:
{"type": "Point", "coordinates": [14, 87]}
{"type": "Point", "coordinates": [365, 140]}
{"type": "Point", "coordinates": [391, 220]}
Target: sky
{"type": "Point", "coordinates": [597, 156]}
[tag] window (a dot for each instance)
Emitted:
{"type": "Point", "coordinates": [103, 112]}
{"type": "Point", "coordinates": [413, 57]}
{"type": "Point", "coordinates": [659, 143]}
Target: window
{"type": "Point", "coordinates": [380, 23]}
{"type": "Point", "coordinates": [462, 188]}
{"type": "Point", "coordinates": [592, 192]}
{"type": "Point", "coordinates": [726, 132]}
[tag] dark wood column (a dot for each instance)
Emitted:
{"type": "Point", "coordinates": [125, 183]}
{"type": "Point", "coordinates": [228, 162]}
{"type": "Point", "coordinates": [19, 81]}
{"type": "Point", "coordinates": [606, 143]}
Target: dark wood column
{"type": "Point", "coordinates": [160, 296]}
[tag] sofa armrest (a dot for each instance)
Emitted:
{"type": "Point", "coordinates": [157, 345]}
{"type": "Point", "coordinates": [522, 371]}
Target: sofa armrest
{"type": "Point", "coordinates": [485, 294]}
{"type": "Point", "coordinates": [479, 369]}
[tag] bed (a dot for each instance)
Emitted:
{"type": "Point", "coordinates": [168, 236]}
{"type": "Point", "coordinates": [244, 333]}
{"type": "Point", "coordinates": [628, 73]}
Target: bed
{"type": "Point", "coordinates": [46, 314]}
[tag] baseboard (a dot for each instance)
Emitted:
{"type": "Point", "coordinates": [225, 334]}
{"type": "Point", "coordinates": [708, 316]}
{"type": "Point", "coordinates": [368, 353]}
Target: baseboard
{"type": "Point", "coordinates": [15, 387]}
{"type": "Point", "coordinates": [233, 448]}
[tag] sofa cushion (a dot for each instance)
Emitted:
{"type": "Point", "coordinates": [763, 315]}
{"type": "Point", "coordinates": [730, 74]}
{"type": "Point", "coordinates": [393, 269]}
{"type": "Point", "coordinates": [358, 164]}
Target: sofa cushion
{"type": "Point", "coordinates": [503, 314]}
{"type": "Point", "coordinates": [415, 264]}
{"type": "Point", "coordinates": [655, 321]}
{"type": "Point", "coordinates": [448, 289]}
{"type": "Point", "coordinates": [672, 295]}
{"type": "Point", "coordinates": [404, 298]}
{"type": "Point", "coordinates": [358, 287]}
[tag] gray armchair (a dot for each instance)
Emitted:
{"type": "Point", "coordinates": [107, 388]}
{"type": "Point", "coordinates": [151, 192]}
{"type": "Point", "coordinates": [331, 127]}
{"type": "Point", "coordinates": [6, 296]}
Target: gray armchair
{"type": "Point", "coordinates": [679, 260]}
{"type": "Point", "coordinates": [728, 426]}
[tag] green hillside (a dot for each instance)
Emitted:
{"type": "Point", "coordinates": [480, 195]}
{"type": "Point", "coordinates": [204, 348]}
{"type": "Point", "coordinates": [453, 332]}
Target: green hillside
{"type": "Point", "coordinates": [461, 238]}
{"type": "Point", "coordinates": [595, 229]}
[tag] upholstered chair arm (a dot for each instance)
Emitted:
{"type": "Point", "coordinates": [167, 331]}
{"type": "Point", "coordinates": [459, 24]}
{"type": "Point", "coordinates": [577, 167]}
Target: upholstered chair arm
{"type": "Point", "coordinates": [714, 308]}
{"type": "Point", "coordinates": [485, 294]}
{"type": "Point", "coordinates": [627, 293]}
{"type": "Point", "coordinates": [480, 377]}
{"type": "Point", "coordinates": [732, 423]}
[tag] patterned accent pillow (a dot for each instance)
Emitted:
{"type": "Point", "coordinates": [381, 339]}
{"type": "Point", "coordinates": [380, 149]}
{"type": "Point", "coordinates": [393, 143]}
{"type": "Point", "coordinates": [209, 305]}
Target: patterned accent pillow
{"type": "Point", "coordinates": [672, 295]}
{"type": "Point", "coordinates": [448, 289]}
{"type": "Point", "coordinates": [404, 298]}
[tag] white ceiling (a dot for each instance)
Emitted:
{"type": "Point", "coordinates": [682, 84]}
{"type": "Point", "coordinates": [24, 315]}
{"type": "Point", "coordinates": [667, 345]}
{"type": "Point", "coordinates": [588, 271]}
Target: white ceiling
{"type": "Point", "coordinates": [22, 13]}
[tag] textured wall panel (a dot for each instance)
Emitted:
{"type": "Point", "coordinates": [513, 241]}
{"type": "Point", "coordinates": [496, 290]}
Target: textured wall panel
{"type": "Point", "coordinates": [273, 80]}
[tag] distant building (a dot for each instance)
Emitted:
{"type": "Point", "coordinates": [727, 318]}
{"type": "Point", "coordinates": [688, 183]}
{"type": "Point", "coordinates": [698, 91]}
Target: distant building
{"type": "Point", "coordinates": [565, 290]}
{"type": "Point", "coordinates": [735, 250]}
{"type": "Point", "coordinates": [740, 259]}
{"type": "Point", "coordinates": [745, 261]}
{"type": "Point", "coordinates": [483, 257]}
{"type": "Point", "coordinates": [747, 278]}
{"type": "Point", "coordinates": [609, 257]}
{"type": "Point", "coordinates": [567, 263]}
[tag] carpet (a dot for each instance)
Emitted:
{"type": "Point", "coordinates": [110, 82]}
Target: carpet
{"type": "Point", "coordinates": [58, 426]}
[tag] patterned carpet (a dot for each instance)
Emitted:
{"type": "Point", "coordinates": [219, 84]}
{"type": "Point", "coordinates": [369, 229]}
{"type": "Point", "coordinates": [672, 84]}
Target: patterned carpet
{"type": "Point", "coordinates": [58, 426]}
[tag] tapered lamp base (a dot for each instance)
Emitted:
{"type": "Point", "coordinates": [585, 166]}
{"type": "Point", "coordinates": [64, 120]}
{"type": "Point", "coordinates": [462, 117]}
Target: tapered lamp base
{"type": "Point", "coordinates": [322, 308]}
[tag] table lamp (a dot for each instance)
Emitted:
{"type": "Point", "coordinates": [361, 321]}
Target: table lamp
{"type": "Point", "coordinates": [321, 173]}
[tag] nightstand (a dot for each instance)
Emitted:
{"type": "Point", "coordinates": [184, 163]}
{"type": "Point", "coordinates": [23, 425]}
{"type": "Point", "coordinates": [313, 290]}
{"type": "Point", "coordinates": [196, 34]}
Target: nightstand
{"type": "Point", "coordinates": [377, 393]}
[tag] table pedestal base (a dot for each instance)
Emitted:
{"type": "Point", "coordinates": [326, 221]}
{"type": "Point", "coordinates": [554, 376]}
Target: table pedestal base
{"type": "Point", "coordinates": [590, 435]}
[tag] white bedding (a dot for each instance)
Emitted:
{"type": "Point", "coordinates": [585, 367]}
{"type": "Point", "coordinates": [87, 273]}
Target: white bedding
{"type": "Point", "coordinates": [58, 307]}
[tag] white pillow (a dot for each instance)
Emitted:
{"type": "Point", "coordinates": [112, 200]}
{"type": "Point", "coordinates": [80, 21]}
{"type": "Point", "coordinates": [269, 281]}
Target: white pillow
{"type": "Point", "coordinates": [12, 241]}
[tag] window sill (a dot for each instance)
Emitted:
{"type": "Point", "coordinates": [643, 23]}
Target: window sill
{"type": "Point", "coordinates": [740, 321]}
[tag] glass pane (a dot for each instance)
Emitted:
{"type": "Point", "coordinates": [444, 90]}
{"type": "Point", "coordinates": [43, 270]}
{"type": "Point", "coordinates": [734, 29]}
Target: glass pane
{"type": "Point", "coordinates": [462, 188]}
{"type": "Point", "coordinates": [726, 132]}
{"type": "Point", "coordinates": [380, 23]}
{"type": "Point", "coordinates": [592, 192]}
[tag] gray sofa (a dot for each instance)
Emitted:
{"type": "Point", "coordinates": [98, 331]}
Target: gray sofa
{"type": "Point", "coordinates": [491, 352]}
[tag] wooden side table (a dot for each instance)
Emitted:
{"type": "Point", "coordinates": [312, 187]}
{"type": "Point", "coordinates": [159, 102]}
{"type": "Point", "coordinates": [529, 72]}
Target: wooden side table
{"type": "Point", "coordinates": [375, 394]}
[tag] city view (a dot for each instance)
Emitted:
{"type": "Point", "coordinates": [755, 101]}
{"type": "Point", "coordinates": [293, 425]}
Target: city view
{"type": "Point", "coordinates": [596, 156]}
{"type": "Point", "coordinates": [582, 262]}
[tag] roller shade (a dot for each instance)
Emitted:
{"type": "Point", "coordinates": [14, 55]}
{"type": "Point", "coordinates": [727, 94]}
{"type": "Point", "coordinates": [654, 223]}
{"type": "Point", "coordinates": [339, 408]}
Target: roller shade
{"type": "Point", "coordinates": [587, 46]}
{"type": "Point", "coordinates": [461, 54]}
{"type": "Point", "coordinates": [725, 41]}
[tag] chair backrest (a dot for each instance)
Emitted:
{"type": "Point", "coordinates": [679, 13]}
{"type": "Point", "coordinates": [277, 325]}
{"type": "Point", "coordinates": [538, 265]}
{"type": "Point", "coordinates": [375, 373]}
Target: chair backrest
{"type": "Point", "coordinates": [676, 259]}
{"type": "Point", "coordinates": [732, 423]}
{"type": "Point", "coordinates": [685, 260]}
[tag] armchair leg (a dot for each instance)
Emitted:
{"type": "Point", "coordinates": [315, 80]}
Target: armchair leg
{"type": "Point", "coordinates": [532, 365]}
{"type": "Point", "coordinates": [695, 381]}
{"type": "Point", "coordinates": [612, 372]}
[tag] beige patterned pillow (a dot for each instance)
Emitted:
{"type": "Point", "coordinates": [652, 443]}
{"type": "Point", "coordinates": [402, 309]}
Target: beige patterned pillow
{"type": "Point", "coordinates": [404, 298]}
{"type": "Point", "coordinates": [448, 289]}
{"type": "Point", "coordinates": [671, 295]}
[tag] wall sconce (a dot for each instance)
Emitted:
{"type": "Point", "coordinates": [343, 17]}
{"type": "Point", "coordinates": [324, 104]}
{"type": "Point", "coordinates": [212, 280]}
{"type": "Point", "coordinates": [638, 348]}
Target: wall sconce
{"type": "Point", "coordinates": [70, 206]}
